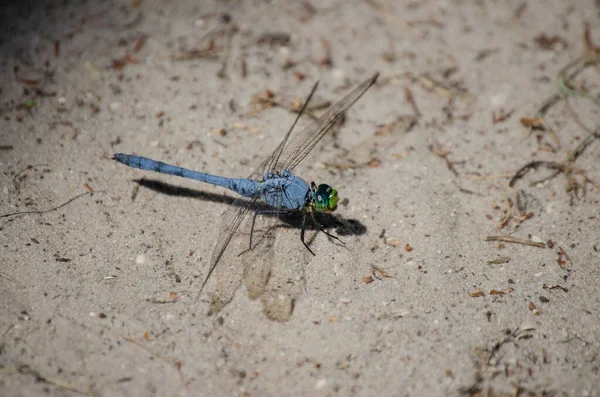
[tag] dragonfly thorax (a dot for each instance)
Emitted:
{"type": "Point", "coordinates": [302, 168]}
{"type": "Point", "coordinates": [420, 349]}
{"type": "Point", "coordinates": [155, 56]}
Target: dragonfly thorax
{"type": "Point", "coordinates": [324, 198]}
{"type": "Point", "coordinates": [285, 190]}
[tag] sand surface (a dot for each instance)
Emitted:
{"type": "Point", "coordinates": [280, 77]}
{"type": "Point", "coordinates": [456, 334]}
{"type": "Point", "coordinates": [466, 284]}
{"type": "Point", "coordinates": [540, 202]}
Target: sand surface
{"type": "Point", "coordinates": [98, 280]}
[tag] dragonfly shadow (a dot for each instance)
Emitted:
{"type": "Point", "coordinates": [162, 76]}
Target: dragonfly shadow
{"type": "Point", "coordinates": [178, 191]}
{"type": "Point", "coordinates": [341, 225]}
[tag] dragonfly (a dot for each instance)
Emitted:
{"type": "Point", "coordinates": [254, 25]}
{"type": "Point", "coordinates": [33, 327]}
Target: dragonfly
{"type": "Point", "coordinates": [273, 182]}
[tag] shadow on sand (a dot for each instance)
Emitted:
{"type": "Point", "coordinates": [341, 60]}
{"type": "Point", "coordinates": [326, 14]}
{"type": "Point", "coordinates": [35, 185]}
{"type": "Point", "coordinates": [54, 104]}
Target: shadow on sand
{"type": "Point", "coordinates": [341, 225]}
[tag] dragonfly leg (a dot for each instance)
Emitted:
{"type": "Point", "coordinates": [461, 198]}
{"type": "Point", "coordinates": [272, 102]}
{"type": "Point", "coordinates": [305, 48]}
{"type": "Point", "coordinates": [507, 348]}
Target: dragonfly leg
{"type": "Point", "coordinates": [252, 229]}
{"type": "Point", "coordinates": [302, 235]}
{"type": "Point", "coordinates": [256, 213]}
{"type": "Point", "coordinates": [322, 229]}
{"type": "Point", "coordinates": [251, 234]}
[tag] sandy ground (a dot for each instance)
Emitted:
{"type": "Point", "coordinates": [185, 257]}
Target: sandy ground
{"type": "Point", "coordinates": [97, 295]}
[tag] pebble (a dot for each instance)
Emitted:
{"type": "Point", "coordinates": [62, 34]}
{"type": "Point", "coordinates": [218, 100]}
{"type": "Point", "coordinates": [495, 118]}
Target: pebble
{"type": "Point", "coordinates": [321, 383]}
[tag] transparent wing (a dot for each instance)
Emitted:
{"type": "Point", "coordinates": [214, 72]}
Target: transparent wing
{"type": "Point", "coordinates": [252, 247]}
{"type": "Point", "coordinates": [258, 261]}
{"type": "Point", "coordinates": [287, 156]}
{"type": "Point", "coordinates": [230, 221]}
{"type": "Point", "coordinates": [271, 161]}
{"type": "Point", "coordinates": [271, 269]}
{"type": "Point", "coordinates": [304, 141]}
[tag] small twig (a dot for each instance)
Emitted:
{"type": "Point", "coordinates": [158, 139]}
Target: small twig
{"type": "Point", "coordinates": [567, 167]}
{"type": "Point", "coordinates": [51, 209]}
{"type": "Point", "coordinates": [410, 98]}
{"type": "Point", "coordinates": [591, 56]}
{"type": "Point", "coordinates": [29, 167]}
{"type": "Point", "coordinates": [499, 261]}
{"type": "Point", "coordinates": [168, 360]}
{"type": "Point", "coordinates": [583, 145]}
{"type": "Point", "coordinates": [381, 271]}
{"type": "Point", "coordinates": [516, 240]}
{"type": "Point", "coordinates": [504, 221]}
{"type": "Point", "coordinates": [476, 177]}
{"type": "Point", "coordinates": [564, 84]}
{"type": "Point", "coordinates": [443, 154]}
{"type": "Point", "coordinates": [20, 285]}
{"type": "Point", "coordinates": [586, 178]}
{"type": "Point", "coordinates": [534, 165]}
{"type": "Point", "coordinates": [27, 370]}
{"type": "Point", "coordinates": [562, 80]}
{"type": "Point", "coordinates": [546, 105]}
{"type": "Point", "coordinates": [511, 336]}
{"type": "Point", "coordinates": [243, 68]}
{"type": "Point", "coordinates": [135, 192]}
{"type": "Point", "coordinates": [576, 337]}
{"type": "Point", "coordinates": [4, 333]}
{"type": "Point", "coordinates": [268, 102]}
{"type": "Point", "coordinates": [210, 52]}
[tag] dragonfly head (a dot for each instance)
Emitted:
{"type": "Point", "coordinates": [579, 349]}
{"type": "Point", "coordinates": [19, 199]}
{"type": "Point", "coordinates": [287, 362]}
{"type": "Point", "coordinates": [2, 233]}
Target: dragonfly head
{"type": "Point", "coordinates": [325, 198]}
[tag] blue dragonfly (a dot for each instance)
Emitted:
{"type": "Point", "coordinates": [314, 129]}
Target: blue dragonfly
{"type": "Point", "coordinates": [272, 182]}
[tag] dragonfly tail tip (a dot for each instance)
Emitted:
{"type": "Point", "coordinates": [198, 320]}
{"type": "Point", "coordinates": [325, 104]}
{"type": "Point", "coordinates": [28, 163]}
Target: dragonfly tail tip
{"type": "Point", "coordinates": [118, 157]}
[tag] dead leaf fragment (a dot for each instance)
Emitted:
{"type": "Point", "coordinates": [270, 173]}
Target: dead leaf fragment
{"type": "Point", "coordinates": [562, 258]}
{"type": "Point", "coordinates": [536, 122]}
{"type": "Point", "coordinates": [533, 308]}
{"type": "Point", "coordinates": [121, 62]}
{"type": "Point", "coordinates": [394, 242]}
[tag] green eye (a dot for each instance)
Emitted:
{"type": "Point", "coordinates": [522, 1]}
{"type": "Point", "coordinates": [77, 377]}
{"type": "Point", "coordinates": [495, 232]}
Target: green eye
{"type": "Point", "coordinates": [325, 199]}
